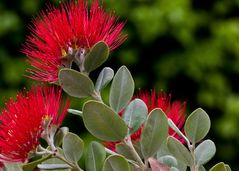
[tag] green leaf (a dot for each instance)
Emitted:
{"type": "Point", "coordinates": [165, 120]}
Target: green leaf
{"type": "Point", "coordinates": [163, 150]}
{"type": "Point", "coordinates": [13, 166]}
{"type": "Point", "coordinates": [73, 147]}
{"type": "Point", "coordinates": [116, 163]}
{"type": "Point", "coordinates": [137, 146]}
{"type": "Point", "coordinates": [60, 135]}
{"type": "Point", "coordinates": [227, 167]}
{"type": "Point", "coordinates": [102, 122]}
{"type": "Point", "coordinates": [30, 166]}
{"type": "Point", "coordinates": [75, 83]}
{"type": "Point", "coordinates": [135, 114]}
{"type": "Point", "coordinates": [123, 149]}
{"type": "Point", "coordinates": [121, 90]}
{"type": "Point", "coordinates": [154, 132]}
{"type": "Point", "coordinates": [55, 161]}
{"type": "Point", "coordinates": [53, 166]}
{"type": "Point", "coordinates": [96, 57]}
{"type": "Point", "coordinates": [75, 112]}
{"type": "Point", "coordinates": [95, 157]}
{"type": "Point", "coordinates": [197, 125]}
{"type": "Point", "coordinates": [201, 168]}
{"type": "Point", "coordinates": [204, 152]}
{"type": "Point", "coordinates": [177, 130]}
{"type": "Point", "coordinates": [219, 167]}
{"type": "Point", "coordinates": [179, 151]}
{"type": "Point", "coordinates": [106, 75]}
{"type": "Point", "coordinates": [169, 160]}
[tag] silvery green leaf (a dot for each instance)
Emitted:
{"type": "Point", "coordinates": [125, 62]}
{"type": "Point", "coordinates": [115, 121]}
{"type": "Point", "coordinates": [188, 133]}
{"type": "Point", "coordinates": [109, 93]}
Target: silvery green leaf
{"type": "Point", "coordinates": [169, 160]}
{"type": "Point", "coordinates": [116, 163]}
{"type": "Point", "coordinates": [75, 83]}
{"type": "Point", "coordinates": [154, 132]}
{"type": "Point", "coordinates": [102, 122]}
{"type": "Point", "coordinates": [75, 112]}
{"type": "Point", "coordinates": [204, 152]}
{"type": "Point", "coordinates": [96, 57]}
{"type": "Point", "coordinates": [106, 75]}
{"type": "Point", "coordinates": [72, 147]}
{"type": "Point", "coordinates": [197, 125]}
{"type": "Point", "coordinates": [123, 149]}
{"type": "Point", "coordinates": [179, 151]}
{"type": "Point", "coordinates": [122, 89]}
{"type": "Point", "coordinates": [95, 157]}
{"type": "Point", "coordinates": [135, 114]}
{"type": "Point", "coordinates": [61, 132]}
{"type": "Point", "coordinates": [53, 166]}
{"type": "Point", "coordinates": [55, 161]}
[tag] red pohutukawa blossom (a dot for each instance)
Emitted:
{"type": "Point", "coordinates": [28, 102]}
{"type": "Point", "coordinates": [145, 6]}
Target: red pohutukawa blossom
{"type": "Point", "coordinates": [21, 122]}
{"type": "Point", "coordinates": [174, 110]}
{"type": "Point", "coordinates": [60, 32]}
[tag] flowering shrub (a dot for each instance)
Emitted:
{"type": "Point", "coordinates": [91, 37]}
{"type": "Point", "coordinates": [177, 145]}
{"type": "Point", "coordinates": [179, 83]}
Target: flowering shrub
{"type": "Point", "coordinates": [143, 132]}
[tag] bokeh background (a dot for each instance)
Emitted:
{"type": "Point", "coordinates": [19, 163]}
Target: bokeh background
{"type": "Point", "coordinates": [189, 48]}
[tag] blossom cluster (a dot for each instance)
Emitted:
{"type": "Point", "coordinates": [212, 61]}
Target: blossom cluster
{"type": "Point", "coordinates": [60, 33]}
{"type": "Point", "coordinates": [60, 36]}
{"type": "Point", "coordinates": [22, 121]}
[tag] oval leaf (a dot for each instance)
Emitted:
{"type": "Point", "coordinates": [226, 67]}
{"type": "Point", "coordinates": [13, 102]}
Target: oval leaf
{"type": "Point", "coordinates": [96, 57]}
{"type": "Point", "coordinates": [121, 90]}
{"type": "Point", "coordinates": [197, 125]}
{"type": "Point", "coordinates": [179, 151]}
{"type": "Point", "coordinates": [30, 166]}
{"type": "Point", "coordinates": [204, 152]}
{"type": "Point", "coordinates": [169, 160]}
{"type": "Point", "coordinates": [102, 122]}
{"type": "Point", "coordinates": [95, 157]}
{"type": "Point", "coordinates": [154, 132]}
{"type": "Point", "coordinates": [124, 150]}
{"type": "Point", "coordinates": [106, 75]}
{"type": "Point", "coordinates": [135, 114]}
{"type": "Point", "coordinates": [76, 84]}
{"type": "Point", "coordinates": [219, 167]}
{"type": "Point", "coordinates": [116, 163]}
{"type": "Point", "coordinates": [73, 147]}
{"type": "Point", "coordinates": [60, 135]}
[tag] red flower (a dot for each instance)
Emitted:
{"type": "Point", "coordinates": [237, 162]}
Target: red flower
{"type": "Point", "coordinates": [21, 122]}
{"type": "Point", "coordinates": [174, 110]}
{"type": "Point", "coordinates": [59, 33]}
{"type": "Point", "coordinates": [1, 165]}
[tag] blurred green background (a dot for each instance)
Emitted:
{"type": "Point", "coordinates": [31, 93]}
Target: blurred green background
{"type": "Point", "coordinates": [189, 48]}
